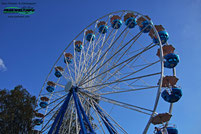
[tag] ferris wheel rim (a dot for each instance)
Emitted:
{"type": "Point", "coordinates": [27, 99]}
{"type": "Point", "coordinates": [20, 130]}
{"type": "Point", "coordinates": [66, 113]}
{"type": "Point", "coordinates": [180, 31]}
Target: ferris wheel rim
{"type": "Point", "coordinates": [161, 59]}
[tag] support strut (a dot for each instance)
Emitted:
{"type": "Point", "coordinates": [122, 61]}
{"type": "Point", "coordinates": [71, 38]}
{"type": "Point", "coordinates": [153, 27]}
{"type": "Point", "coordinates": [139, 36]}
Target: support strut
{"type": "Point", "coordinates": [60, 116]}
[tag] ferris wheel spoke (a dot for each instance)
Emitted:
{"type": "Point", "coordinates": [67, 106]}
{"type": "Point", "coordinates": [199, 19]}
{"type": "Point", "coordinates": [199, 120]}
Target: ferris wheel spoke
{"type": "Point", "coordinates": [142, 79]}
{"type": "Point", "coordinates": [119, 103]}
{"type": "Point", "coordinates": [125, 61]}
{"type": "Point", "coordinates": [60, 85]}
{"type": "Point", "coordinates": [112, 88]}
{"type": "Point", "coordinates": [99, 56]}
{"type": "Point", "coordinates": [144, 59]}
{"type": "Point", "coordinates": [130, 60]}
{"type": "Point", "coordinates": [128, 90]}
{"type": "Point", "coordinates": [91, 43]}
{"type": "Point", "coordinates": [99, 39]}
{"type": "Point", "coordinates": [90, 58]}
{"type": "Point", "coordinates": [75, 63]}
{"type": "Point", "coordinates": [117, 51]}
{"type": "Point", "coordinates": [134, 38]}
{"type": "Point", "coordinates": [98, 60]}
{"type": "Point", "coordinates": [83, 68]}
{"type": "Point", "coordinates": [68, 68]}
{"type": "Point", "coordinates": [135, 51]}
{"type": "Point", "coordinates": [87, 52]}
{"type": "Point", "coordinates": [127, 107]}
{"type": "Point", "coordinates": [151, 64]}
{"type": "Point", "coordinates": [112, 43]}
{"type": "Point", "coordinates": [108, 62]}
{"type": "Point", "coordinates": [120, 80]}
{"type": "Point", "coordinates": [116, 71]}
{"type": "Point", "coordinates": [130, 47]}
{"type": "Point", "coordinates": [131, 72]}
{"type": "Point", "coordinates": [82, 52]}
{"type": "Point", "coordinates": [140, 65]}
{"type": "Point", "coordinates": [89, 68]}
{"type": "Point", "coordinates": [117, 83]}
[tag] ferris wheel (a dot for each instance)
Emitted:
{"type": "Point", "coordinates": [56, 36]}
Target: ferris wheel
{"type": "Point", "coordinates": [113, 73]}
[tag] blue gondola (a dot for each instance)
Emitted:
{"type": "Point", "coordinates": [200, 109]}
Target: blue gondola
{"type": "Point", "coordinates": [78, 47]}
{"type": "Point", "coordinates": [68, 60]}
{"type": "Point", "coordinates": [38, 121]}
{"type": "Point", "coordinates": [90, 37]}
{"type": "Point", "coordinates": [58, 74]}
{"type": "Point", "coordinates": [116, 24]}
{"type": "Point", "coordinates": [50, 89]}
{"type": "Point", "coordinates": [43, 104]}
{"type": "Point", "coordinates": [147, 25]}
{"type": "Point", "coordinates": [131, 22]}
{"type": "Point", "coordinates": [172, 97]}
{"type": "Point", "coordinates": [103, 29]}
{"type": "Point", "coordinates": [171, 60]}
{"type": "Point", "coordinates": [170, 130]}
{"type": "Point", "coordinates": [163, 37]}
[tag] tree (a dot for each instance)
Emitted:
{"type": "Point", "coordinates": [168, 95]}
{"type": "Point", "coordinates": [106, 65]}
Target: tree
{"type": "Point", "coordinates": [16, 111]}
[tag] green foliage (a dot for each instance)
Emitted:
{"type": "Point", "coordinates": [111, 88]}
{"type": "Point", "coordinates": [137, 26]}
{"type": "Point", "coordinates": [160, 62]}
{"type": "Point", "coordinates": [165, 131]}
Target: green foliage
{"type": "Point", "coordinates": [16, 111]}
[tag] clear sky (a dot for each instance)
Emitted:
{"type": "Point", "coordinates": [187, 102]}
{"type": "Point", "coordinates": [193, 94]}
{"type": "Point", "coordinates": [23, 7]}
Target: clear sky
{"type": "Point", "coordinates": [30, 46]}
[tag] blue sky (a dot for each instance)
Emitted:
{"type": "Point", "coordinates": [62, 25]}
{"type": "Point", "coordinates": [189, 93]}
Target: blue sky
{"type": "Point", "coordinates": [30, 46]}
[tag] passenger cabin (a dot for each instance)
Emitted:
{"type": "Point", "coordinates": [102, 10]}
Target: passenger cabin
{"type": "Point", "coordinates": [166, 50]}
{"type": "Point", "coordinates": [116, 22]}
{"type": "Point", "coordinates": [44, 98]}
{"type": "Point", "coordinates": [90, 36]}
{"type": "Point", "coordinates": [68, 58]}
{"type": "Point", "coordinates": [161, 118]}
{"type": "Point", "coordinates": [164, 36]}
{"type": "Point", "coordinates": [144, 24]}
{"type": "Point", "coordinates": [169, 81]}
{"type": "Point", "coordinates": [102, 27]}
{"type": "Point", "coordinates": [78, 46]}
{"type": "Point", "coordinates": [39, 115]}
{"type": "Point", "coordinates": [50, 86]}
{"type": "Point", "coordinates": [130, 20]}
{"type": "Point", "coordinates": [172, 96]}
{"type": "Point", "coordinates": [170, 130]}
{"type": "Point", "coordinates": [43, 104]}
{"type": "Point", "coordinates": [171, 60]}
{"type": "Point", "coordinates": [58, 71]}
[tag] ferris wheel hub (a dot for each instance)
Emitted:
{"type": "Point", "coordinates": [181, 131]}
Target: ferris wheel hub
{"type": "Point", "coordinates": [68, 86]}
